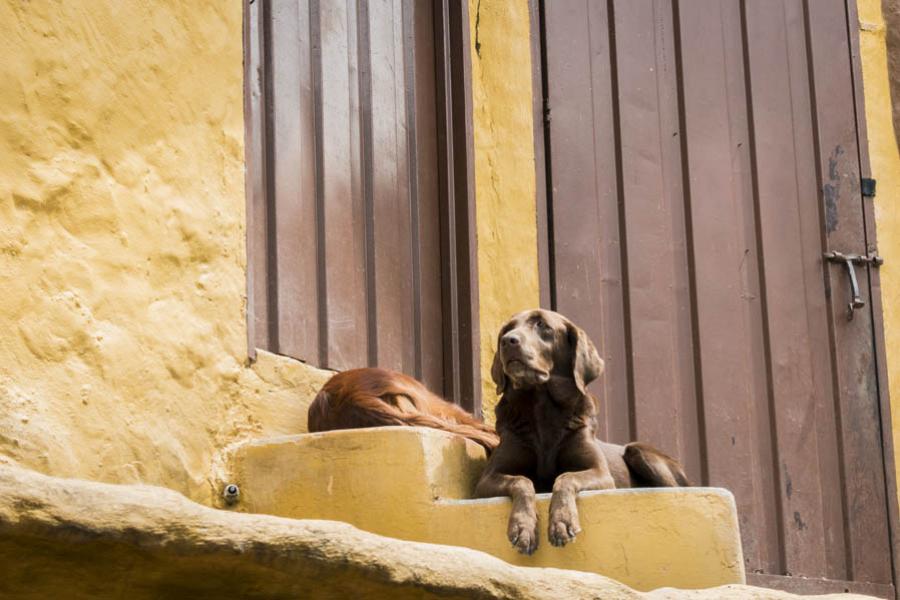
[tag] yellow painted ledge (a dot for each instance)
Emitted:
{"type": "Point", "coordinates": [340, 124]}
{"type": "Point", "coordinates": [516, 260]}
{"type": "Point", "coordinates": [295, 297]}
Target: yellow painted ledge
{"type": "Point", "coordinates": [415, 484]}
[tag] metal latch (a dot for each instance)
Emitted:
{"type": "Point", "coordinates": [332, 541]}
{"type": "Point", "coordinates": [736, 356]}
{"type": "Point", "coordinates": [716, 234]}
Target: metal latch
{"type": "Point", "coordinates": [849, 261]}
{"type": "Point", "coordinates": [867, 187]}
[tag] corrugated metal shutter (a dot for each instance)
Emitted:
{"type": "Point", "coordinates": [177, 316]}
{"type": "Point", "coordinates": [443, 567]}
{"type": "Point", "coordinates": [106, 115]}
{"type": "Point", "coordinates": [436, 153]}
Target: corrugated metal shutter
{"type": "Point", "coordinates": [701, 157]}
{"type": "Point", "coordinates": [361, 243]}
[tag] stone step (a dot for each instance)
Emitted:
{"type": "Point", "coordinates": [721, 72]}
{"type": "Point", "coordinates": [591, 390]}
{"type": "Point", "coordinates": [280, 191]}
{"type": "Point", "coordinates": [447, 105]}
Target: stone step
{"type": "Point", "coordinates": [416, 484]}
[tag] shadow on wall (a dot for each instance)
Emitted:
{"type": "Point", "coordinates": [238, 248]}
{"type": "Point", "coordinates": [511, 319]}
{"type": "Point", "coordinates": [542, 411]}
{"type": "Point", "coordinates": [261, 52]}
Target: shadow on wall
{"type": "Point", "coordinates": [891, 11]}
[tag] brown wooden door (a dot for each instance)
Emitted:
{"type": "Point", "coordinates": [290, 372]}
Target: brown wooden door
{"type": "Point", "coordinates": [701, 156]}
{"type": "Point", "coordinates": [361, 236]}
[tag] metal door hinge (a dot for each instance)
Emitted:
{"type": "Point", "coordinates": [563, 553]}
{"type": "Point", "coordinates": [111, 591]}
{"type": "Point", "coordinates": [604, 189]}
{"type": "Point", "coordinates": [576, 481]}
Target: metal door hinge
{"type": "Point", "coordinates": [867, 186]}
{"type": "Point", "coordinates": [850, 261]}
{"type": "Point", "coordinates": [546, 111]}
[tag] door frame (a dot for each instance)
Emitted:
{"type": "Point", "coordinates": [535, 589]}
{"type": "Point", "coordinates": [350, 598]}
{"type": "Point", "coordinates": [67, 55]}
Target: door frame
{"type": "Point", "coordinates": [459, 271]}
{"type": "Point", "coordinates": [879, 354]}
{"type": "Point", "coordinates": [542, 181]}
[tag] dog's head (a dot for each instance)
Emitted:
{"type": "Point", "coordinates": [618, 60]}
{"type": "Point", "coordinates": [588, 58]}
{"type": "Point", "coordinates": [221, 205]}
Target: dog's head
{"type": "Point", "coordinates": [535, 344]}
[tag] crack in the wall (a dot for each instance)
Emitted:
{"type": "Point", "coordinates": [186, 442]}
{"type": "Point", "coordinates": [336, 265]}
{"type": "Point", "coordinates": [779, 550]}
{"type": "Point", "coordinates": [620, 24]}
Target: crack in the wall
{"type": "Point", "coordinates": [477, 26]}
{"type": "Point", "coordinates": [502, 116]}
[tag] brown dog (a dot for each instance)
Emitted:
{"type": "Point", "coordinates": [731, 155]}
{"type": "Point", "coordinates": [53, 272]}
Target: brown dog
{"type": "Point", "coordinates": [376, 397]}
{"type": "Point", "coordinates": [548, 430]}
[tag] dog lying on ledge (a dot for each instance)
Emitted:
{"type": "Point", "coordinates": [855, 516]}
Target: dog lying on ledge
{"type": "Point", "coordinates": [377, 397]}
{"type": "Point", "coordinates": [548, 429]}
{"type": "Point", "coordinates": [546, 421]}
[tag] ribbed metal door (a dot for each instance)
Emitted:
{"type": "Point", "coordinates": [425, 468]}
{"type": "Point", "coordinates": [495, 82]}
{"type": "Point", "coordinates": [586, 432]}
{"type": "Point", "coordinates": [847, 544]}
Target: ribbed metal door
{"type": "Point", "coordinates": [701, 156]}
{"type": "Point", "coordinates": [359, 176]}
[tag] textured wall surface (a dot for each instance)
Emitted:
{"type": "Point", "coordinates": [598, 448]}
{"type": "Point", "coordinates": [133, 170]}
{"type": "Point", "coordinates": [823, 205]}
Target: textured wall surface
{"type": "Point", "coordinates": [885, 160]}
{"type": "Point", "coordinates": [504, 171]}
{"type": "Point", "coordinates": [122, 353]}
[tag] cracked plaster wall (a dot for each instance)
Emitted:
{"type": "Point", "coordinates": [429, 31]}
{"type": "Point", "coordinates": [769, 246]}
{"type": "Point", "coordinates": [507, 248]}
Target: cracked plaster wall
{"type": "Point", "coordinates": [504, 171]}
{"type": "Point", "coordinates": [122, 260]}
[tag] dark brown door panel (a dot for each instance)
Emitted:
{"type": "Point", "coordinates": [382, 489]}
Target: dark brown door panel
{"type": "Point", "coordinates": [360, 216]}
{"type": "Point", "coordinates": [701, 156]}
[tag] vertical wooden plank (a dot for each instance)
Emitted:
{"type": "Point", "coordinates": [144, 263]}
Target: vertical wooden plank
{"type": "Point", "coordinates": [407, 103]}
{"type": "Point", "coordinates": [386, 172]}
{"type": "Point", "coordinates": [767, 543]}
{"type": "Point", "coordinates": [734, 382]}
{"type": "Point", "coordinates": [830, 473]}
{"type": "Point", "coordinates": [665, 404]}
{"type": "Point", "coordinates": [585, 228]}
{"type": "Point", "coordinates": [859, 412]}
{"type": "Point", "coordinates": [456, 178]}
{"type": "Point", "coordinates": [359, 97]}
{"type": "Point", "coordinates": [834, 507]}
{"type": "Point", "coordinates": [464, 208]}
{"type": "Point", "coordinates": [293, 180]}
{"type": "Point", "coordinates": [341, 201]}
{"type": "Point", "coordinates": [784, 170]}
{"type": "Point", "coordinates": [423, 160]}
{"type": "Point", "coordinates": [406, 204]}
{"type": "Point", "coordinates": [541, 172]}
{"type": "Point", "coordinates": [361, 140]}
{"type": "Point", "coordinates": [445, 156]}
{"type": "Point", "coordinates": [259, 316]}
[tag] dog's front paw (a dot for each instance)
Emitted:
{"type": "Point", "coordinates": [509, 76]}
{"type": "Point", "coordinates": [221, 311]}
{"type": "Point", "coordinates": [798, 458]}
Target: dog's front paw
{"type": "Point", "coordinates": [523, 532]}
{"type": "Point", "coordinates": [563, 526]}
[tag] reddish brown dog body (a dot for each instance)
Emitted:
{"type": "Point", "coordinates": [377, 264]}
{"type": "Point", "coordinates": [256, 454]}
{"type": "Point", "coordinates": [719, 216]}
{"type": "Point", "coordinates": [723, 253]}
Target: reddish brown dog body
{"type": "Point", "coordinates": [548, 427]}
{"type": "Point", "coordinates": [374, 397]}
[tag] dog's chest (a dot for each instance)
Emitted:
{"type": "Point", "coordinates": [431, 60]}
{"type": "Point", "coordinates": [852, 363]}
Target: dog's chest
{"type": "Point", "coordinates": [547, 432]}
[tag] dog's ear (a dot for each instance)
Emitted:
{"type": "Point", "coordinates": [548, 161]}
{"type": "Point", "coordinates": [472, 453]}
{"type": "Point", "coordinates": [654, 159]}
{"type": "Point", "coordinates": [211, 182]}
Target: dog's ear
{"type": "Point", "coordinates": [497, 373]}
{"type": "Point", "coordinates": [586, 362]}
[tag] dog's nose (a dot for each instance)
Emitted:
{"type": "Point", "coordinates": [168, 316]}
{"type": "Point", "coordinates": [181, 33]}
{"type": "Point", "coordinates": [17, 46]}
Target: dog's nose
{"type": "Point", "coordinates": [510, 339]}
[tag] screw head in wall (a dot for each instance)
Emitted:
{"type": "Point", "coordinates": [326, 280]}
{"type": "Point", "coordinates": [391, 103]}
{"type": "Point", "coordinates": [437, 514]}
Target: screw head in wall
{"type": "Point", "coordinates": [231, 493]}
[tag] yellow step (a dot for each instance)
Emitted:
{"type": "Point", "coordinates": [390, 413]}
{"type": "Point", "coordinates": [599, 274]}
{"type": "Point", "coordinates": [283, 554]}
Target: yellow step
{"type": "Point", "coordinates": [416, 484]}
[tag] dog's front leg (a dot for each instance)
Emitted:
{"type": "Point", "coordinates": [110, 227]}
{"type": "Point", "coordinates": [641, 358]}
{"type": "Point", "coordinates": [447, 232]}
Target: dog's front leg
{"type": "Point", "coordinates": [523, 522]}
{"type": "Point", "coordinates": [564, 525]}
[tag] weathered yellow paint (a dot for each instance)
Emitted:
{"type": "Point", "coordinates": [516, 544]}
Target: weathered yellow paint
{"type": "Point", "coordinates": [504, 171]}
{"type": "Point", "coordinates": [413, 484]}
{"type": "Point", "coordinates": [122, 261]}
{"type": "Point", "coordinates": [885, 162]}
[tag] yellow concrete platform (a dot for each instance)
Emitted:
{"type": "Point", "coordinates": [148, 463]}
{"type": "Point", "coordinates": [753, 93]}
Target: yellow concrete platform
{"type": "Point", "coordinates": [416, 484]}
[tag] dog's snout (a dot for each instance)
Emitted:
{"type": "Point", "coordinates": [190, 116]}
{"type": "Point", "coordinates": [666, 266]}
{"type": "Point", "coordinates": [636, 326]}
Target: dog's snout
{"type": "Point", "coordinates": [510, 340]}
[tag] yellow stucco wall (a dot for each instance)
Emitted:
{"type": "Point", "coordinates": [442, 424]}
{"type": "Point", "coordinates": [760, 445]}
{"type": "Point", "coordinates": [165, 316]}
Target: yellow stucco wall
{"type": "Point", "coordinates": [885, 161]}
{"type": "Point", "coordinates": [504, 171]}
{"type": "Point", "coordinates": [122, 330]}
